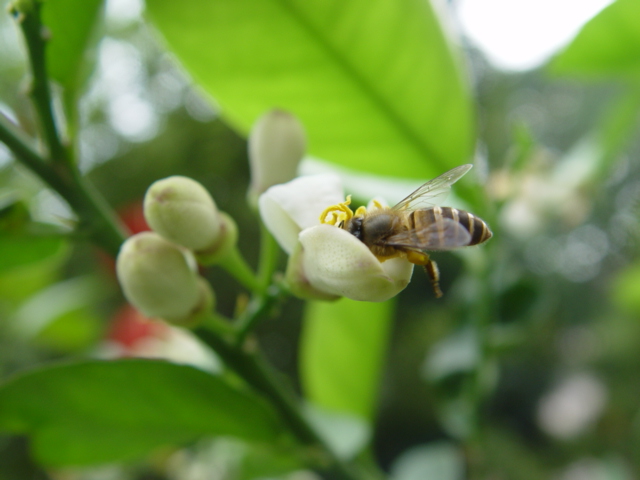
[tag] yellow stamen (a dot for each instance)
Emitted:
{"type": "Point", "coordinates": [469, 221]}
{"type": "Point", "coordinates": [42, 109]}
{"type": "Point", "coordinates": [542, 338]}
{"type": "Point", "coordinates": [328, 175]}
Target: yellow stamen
{"type": "Point", "coordinates": [360, 211]}
{"type": "Point", "coordinates": [337, 213]}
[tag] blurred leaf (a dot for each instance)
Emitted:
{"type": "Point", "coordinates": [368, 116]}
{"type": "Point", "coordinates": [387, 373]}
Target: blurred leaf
{"type": "Point", "coordinates": [97, 412]}
{"type": "Point", "coordinates": [52, 313]}
{"type": "Point", "coordinates": [60, 316]}
{"type": "Point", "coordinates": [343, 347]}
{"type": "Point", "coordinates": [376, 84]}
{"type": "Point", "coordinates": [14, 214]}
{"type": "Point", "coordinates": [609, 44]}
{"type": "Point", "coordinates": [510, 455]}
{"type": "Point", "coordinates": [442, 461]}
{"type": "Point", "coordinates": [22, 250]}
{"type": "Point", "coordinates": [458, 417]}
{"type": "Point", "coordinates": [524, 145]}
{"type": "Point", "coordinates": [457, 353]}
{"type": "Point", "coordinates": [28, 263]}
{"type": "Point", "coordinates": [346, 434]}
{"type": "Point", "coordinates": [70, 24]}
{"type": "Point", "coordinates": [625, 291]}
{"type": "Point", "coordinates": [15, 461]}
{"type": "Point", "coordinates": [516, 301]}
{"type": "Point", "coordinates": [72, 331]}
{"type": "Point", "coordinates": [265, 463]}
{"type": "Point", "coordinates": [617, 127]}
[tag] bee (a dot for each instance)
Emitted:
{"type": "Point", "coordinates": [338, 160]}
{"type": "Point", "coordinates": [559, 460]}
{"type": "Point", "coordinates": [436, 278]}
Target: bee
{"type": "Point", "coordinates": [415, 225]}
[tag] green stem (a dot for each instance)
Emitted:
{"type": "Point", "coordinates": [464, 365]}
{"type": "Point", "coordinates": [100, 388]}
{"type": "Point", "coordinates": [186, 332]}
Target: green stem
{"type": "Point", "coordinates": [250, 366]}
{"type": "Point", "coordinates": [268, 257]}
{"type": "Point", "coordinates": [260, 308]}
{"type": "Point", "coordinates": [236, 265]}
{"type": "Point", "coordinates": [26, 154]}
{"type": "Point", "coordinates": [95, 215]}
{"type": "Point", "coordinates": [58, 170]}
{"type": "Point", "coordinates": [28, 15]}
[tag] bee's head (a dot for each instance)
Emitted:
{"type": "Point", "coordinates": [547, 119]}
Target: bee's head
{"type": "Point", "coordinates": [354, 226]}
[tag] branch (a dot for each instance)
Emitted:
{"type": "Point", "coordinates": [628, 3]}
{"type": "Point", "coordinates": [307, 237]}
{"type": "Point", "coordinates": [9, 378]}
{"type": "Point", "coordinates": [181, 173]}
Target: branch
{"type": "Point", "coordinates": [27, 13]}
{"type": "Point", "coordinates": [57, 170]}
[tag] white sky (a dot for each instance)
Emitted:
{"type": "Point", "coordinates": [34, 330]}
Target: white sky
{"type": "Point", "coordinates": [522, 34]}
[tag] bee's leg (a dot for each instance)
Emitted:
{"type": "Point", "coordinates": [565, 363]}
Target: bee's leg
{"type": "Point", "coordinates": [420, 258]}
{"type": "Point", "coordinates": [434, 274]}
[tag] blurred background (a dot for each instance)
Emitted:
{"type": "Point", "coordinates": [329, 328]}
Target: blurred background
{"type": "Point", "coordinates": [556, 388]}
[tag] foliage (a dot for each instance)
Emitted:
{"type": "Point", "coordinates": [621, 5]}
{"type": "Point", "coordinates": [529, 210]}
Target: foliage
{"type": "Point", "coordinates": [525, 369]}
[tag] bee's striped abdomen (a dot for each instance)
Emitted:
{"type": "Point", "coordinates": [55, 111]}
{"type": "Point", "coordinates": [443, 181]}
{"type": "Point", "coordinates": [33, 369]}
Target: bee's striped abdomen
{"type": "Point", "coordinates": [428, 219]}
{"type": "Point", "coordinates": [476, 227]}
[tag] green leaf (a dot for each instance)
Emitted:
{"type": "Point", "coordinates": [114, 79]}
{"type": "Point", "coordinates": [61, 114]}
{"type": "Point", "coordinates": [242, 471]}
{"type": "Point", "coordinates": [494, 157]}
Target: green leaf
{"type": "Point", "coordinates": [60, 316]}
{"type": "Point", "coordinates": [20, 250]}
{"type": "Point", "coordinates": [345, 434]}
{"type": "Point", "coordinates": [609, 44]}
{"type": "Point", "coordinates": [439, 460]}
{"type": "Point", "coordinates": [96, 411]}
{"type": "Point", "coordinates": [457, 353]}
{"type": "Point", "coordinates": [342, 351]}
{"type": "Point", "coordinates": [70, 24]}
{"type": "Point", "coordinates": [625, 292]}
{"type": "Point", "coordinates": [376, 83]}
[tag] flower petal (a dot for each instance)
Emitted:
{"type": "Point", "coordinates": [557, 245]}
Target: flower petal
{"type": "Point", "coordinates": [338, 263]}
{"type": "Point", "coordinates": [289, 208]}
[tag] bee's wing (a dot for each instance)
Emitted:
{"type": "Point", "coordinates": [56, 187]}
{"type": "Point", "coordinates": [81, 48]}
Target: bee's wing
{"type": "Point", "coordinates": [434, 191]}
{"type": "Point", "coordinates": [445, 234]}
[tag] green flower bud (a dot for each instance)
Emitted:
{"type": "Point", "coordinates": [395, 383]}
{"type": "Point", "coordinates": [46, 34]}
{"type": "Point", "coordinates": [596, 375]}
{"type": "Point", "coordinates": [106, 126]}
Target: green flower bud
{"type": "Point", "coordinates": [160, 279]}
{"type": "Point", "coordinates": [277, 143]}
{"type": "Point", "coordinates": [182, 211]}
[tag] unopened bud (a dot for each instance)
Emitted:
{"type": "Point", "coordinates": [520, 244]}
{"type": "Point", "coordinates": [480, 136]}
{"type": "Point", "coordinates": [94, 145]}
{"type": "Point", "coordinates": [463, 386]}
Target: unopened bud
{"type": "Point", "coordinates": [277, 143]}
{"type": "Point", "coordinates": [182, 211]}
{"type": "Point", "coordinates": [160, 279]}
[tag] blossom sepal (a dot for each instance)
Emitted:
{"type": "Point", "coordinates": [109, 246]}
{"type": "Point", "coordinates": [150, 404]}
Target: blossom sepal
{"type": "Point", "coordinates": [227, 240]}
{"type": "Point", "coordinates": [203, 309]}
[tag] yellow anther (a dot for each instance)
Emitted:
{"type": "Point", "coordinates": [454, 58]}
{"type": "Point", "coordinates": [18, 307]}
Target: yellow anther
{"type": "Point", "coordinates": [337, 213]}
{"type": "Point", "coordinates": [377, 204]}
{"type": "Point", "coordinates": [360, 211]}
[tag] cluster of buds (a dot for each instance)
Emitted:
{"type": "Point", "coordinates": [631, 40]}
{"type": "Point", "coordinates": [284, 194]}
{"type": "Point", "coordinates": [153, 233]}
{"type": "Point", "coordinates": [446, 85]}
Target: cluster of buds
{"type": "Point", "coordinates": [158, 270]}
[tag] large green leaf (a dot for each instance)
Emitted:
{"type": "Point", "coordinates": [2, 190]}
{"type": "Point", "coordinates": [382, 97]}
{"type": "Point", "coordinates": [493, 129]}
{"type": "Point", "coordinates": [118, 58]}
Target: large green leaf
{"type": "Point", "coordinates": [375, 82]}
{"type": "Point", "coordinates": [96, 411]}
{"type": "Point", "coordinates": [342, 352]}
{"type": "Point", "coordinates": [70, 24]}
{"type": "Point", "coordinates": [609, 44]}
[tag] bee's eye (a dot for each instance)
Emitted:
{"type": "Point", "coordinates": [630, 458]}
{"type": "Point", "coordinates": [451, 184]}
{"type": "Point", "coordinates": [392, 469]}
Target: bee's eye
{"type": "Point", "coordinates": [354, 227]}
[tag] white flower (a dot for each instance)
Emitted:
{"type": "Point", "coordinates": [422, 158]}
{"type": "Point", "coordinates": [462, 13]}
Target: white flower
{"type": "Point", "coordinates": [326, 261]}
